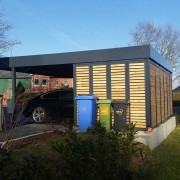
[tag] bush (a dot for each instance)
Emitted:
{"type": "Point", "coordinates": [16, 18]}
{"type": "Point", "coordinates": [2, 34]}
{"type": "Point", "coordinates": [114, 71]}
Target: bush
{"type": "Point", "coordinates": [97, 154]}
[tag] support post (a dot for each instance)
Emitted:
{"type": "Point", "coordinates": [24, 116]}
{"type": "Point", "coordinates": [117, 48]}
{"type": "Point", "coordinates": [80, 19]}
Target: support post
{"type": "Point", "coordinates": [13, 88]}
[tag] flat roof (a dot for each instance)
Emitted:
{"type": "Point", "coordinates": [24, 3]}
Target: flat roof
{"type": "Point", "coordinates": [62, 63]}
{"type": "Point", "coordinates": [4, 63]}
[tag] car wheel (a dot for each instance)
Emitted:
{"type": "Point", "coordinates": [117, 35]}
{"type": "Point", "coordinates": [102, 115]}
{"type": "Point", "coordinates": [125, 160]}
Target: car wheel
{"type": "Point", "coordinates": [39, 115]}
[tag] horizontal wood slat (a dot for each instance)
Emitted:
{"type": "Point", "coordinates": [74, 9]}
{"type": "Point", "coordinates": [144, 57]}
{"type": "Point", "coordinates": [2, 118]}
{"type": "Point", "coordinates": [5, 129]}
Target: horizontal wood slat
{"type": "Point", "coordinates": [82, 79]}
{"type": "Point", "coordinates": [137, 94]}
{"type": "Point", "coordinates": [118, 81]}
{"type": "Point", "coordinates": [160, 87]}
{"type": "Point", "coordinates": [99, 81]}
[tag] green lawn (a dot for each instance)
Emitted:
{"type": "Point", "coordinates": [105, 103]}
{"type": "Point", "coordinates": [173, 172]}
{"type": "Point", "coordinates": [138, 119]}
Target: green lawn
{"type": "Point", "coordinates": [165, 160]}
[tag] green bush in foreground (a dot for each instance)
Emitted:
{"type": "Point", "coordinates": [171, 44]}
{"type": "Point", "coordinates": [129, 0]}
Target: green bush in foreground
{"type": "Point", "coordinates": [97, 153]}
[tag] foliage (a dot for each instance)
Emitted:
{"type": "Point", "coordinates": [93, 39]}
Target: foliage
{"type": "Point", "coordinates": [97, 153]}
{"type": "Point", "coordinates": [166, 160]}
{"type": "Point", "coordinates": [63, 85]}
{"type": "Point", "coordinates": [5, 42]}
{"type": "Point", "coordinates": [34, 167]}
{"type": "Point", "coordinates": [166, 40]}
{"type": "Point", "coordinates": [5, 162]}
{"type": "Point", "coordinates": [20, 89]}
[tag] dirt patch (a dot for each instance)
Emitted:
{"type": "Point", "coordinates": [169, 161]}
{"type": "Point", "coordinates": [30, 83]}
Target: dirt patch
{"type": "Point", "coordinates": [33, 140]}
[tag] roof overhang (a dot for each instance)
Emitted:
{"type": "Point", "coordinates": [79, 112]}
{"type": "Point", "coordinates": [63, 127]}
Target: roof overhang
{"type": "Point", "coordinates": [4, 63]}
{"type": "Point", "coordinates": [61, 64]}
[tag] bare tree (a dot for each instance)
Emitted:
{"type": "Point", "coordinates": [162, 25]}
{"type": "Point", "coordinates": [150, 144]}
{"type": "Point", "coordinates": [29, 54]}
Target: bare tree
{"type": "Point", "coordinates": [5, 42]}
{"type": "Point", "coordinates": [166, 40]}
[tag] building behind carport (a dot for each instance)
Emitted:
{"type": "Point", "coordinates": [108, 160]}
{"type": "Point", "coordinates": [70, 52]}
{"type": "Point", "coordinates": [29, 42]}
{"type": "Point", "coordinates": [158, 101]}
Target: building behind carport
{"type": "Point", "coordinates": [137, 74]}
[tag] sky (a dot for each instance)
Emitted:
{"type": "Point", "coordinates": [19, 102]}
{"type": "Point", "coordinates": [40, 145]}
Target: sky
{"type": "Point", "coordinates": [55, 26]}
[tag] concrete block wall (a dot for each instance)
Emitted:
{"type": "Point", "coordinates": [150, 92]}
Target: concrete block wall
{"type": "Point", "coordinates": [158, 135]}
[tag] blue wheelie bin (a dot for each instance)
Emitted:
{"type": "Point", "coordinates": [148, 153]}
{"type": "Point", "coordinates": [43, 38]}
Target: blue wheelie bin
{"type": "Point", "coordinates": [87, 111]}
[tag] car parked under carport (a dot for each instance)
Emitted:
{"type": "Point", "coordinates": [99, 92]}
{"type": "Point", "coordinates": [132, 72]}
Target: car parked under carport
{"type": "Point", "coordinates": [51, 105]}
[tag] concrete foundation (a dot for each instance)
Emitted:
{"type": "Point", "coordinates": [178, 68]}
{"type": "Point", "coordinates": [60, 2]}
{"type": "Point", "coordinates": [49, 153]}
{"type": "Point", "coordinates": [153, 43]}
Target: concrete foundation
{"type": "Point", "coordinates": [158, 135]}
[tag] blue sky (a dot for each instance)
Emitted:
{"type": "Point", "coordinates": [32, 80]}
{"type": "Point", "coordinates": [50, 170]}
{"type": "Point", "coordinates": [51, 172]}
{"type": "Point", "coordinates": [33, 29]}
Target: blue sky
{"type": "Point", "coordinates": [55, 26]}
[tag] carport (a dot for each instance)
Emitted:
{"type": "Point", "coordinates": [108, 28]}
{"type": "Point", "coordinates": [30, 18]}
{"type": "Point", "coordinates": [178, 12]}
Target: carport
{"type": "Point", "coordinates": [129, 73]}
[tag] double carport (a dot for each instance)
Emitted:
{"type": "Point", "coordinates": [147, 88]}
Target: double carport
{"type": "Point", "coordinates": [118, 73]}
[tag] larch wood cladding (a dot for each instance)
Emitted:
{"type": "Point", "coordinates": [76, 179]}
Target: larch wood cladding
{"type": "Point", "coordinates": [153, 94]}
{"type": "Point", "coordinates": [99, 81]}
{"type": "Point", "coordinates": [137, 94]}
{"type": "Point", "coordinates": [118, 82]}
{"type": "Point", "coordinates": [158, 96]}
{"type": "Point", "coordinates": [82, 80]}
{"type": "Point", "coordinates": [118, 90]}
{"type": "Point", "coordinates": [165, 94]}
{"type": "Point", "coordinates": [113, 82]}
{"type": "Point", "coordinates": [161, 94]}
{"type": "Point", "coordinates": [170, 96]}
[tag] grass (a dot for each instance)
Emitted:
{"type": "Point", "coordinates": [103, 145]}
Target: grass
{"type": "Point", "coordinates": [166, 160]}
{"type": "Point", "coordinates": [162, 163]}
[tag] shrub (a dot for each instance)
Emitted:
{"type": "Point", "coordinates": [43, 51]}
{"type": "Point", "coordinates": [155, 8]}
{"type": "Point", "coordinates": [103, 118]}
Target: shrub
{"type": "Point", "coordinates": [97, 154]}
{"type": "Point", "coordinates": [6, 164]}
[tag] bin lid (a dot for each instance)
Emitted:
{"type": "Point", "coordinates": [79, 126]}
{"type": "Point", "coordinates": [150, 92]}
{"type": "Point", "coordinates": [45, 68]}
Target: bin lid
{"type": "Point", "coordinates": [86, 97]}
{"type": "Point", "coordinates": [119, 102]}
{"type": "Point", "coordinates": [104, 101]}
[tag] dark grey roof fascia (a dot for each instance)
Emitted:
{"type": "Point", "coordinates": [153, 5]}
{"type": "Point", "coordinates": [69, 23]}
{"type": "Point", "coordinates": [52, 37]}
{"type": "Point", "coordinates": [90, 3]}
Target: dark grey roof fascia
{"type": "Point", "coordinates": [155, 56]}
{"type": "Point", "coordinates": [135, 52]}
{"type": "Point", "coordinates": [4, 63]}
{"type": "Point", "coordinates": [114, 54]}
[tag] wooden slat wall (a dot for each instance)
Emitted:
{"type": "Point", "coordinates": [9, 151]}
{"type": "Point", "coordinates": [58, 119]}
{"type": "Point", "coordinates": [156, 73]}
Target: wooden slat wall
{"type": "Point", "coordinates": [160, 89]}
{"type": "Point", "coordinates": [170, 96]}
{"type": "Point", "coordinates": [99, 81]}
{"type": "Point", "coordinates": [153, 94]}
{"type": "Point", "coordinates": [161, 94]}
{"type": "Point", "coordinates": [82, 80]}
{"type": "Point", "coordinates": [165, 94]}
{"type": "Point", "coordinates": [158, 95]}
{"type": "Point", "coordinates": [137, 94]}
{"type": "Point", "coordinates": [118, 84]}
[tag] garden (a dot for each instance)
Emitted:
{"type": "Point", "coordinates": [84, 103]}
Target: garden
{"type": "Point", "coordinates": [95, 154]}
{"type": "Point", "coordinates": [69, 154]}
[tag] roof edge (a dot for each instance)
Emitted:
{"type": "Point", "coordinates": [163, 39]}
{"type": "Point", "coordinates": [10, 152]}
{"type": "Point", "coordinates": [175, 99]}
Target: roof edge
{"type": "Point", "coordinates": [158, 58]}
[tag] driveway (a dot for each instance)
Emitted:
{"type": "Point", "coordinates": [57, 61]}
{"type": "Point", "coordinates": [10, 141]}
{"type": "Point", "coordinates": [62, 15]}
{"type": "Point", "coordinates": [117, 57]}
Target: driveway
{"type": "Point", "coordinates": [29, 130]}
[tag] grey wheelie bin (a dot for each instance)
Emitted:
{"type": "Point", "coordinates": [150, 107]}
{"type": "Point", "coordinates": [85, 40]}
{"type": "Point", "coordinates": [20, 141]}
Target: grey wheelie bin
{"type": "Point", "coordinates": [120, 114]}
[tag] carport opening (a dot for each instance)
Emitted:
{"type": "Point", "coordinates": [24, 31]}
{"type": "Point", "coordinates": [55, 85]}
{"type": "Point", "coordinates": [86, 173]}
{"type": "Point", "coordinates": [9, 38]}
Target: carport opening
{"type": "Point", "coordinates": [56, 72]}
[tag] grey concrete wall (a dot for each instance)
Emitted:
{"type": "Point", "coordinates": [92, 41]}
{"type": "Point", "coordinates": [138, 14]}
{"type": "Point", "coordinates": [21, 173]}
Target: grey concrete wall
{"type": "Point", "coordinates": [158, 135]}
